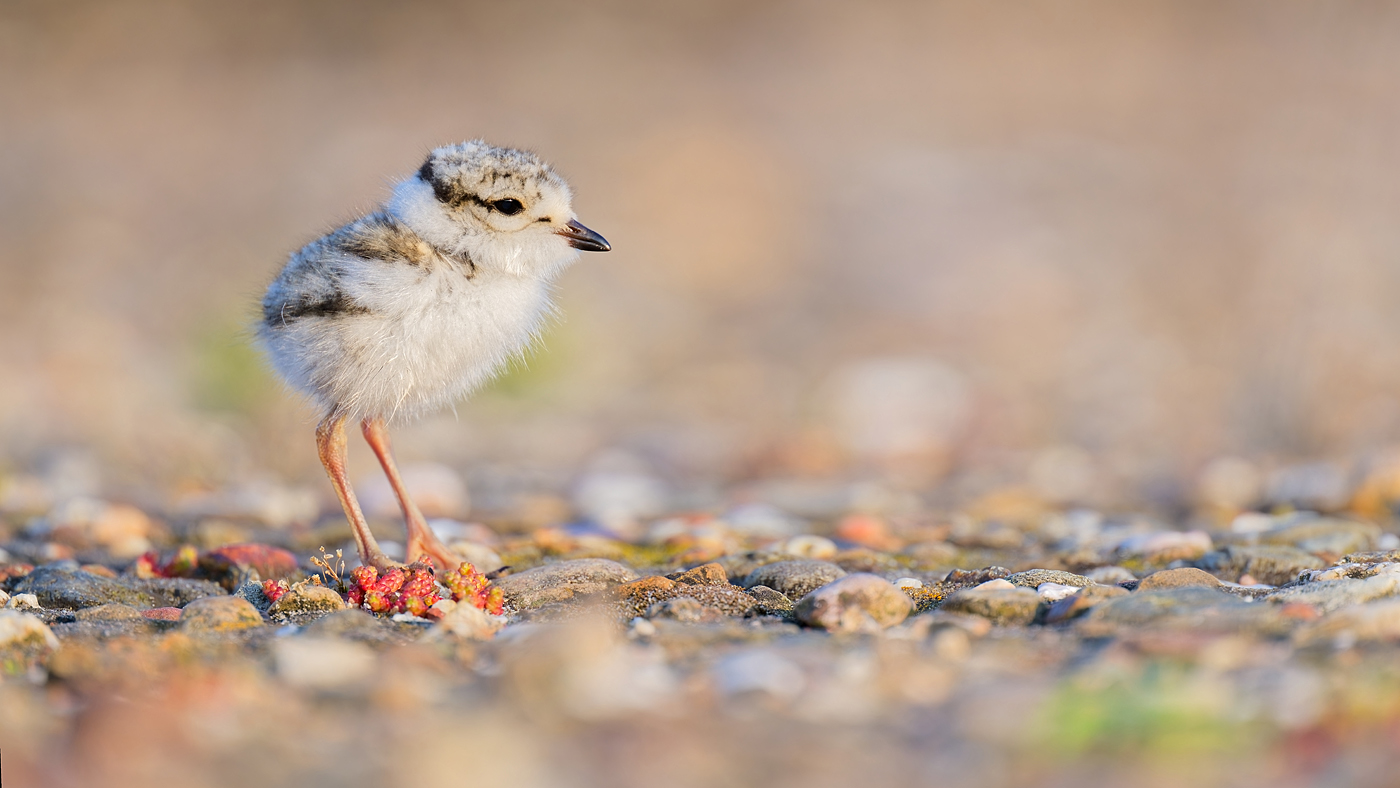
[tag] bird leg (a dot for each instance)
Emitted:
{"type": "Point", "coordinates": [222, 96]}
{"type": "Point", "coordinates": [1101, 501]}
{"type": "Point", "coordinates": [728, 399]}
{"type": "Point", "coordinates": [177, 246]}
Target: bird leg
{"type": "Point", "coordinates": [421, 539]}
{"type": "Point", "coordinates": [330, 444]}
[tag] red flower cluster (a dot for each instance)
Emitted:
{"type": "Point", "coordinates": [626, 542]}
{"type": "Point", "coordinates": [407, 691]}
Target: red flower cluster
{"type": "Point", "coordinates": [472, 587]}
{"type": "Point", "coordinates": [414, 589]}
{"type": "Point", "coordinates": [274, 589]}
{"type": "Point", "coordinates": [408, 590]}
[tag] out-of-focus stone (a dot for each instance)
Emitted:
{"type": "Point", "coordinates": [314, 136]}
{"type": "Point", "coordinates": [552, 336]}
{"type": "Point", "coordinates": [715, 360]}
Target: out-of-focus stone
{"type": "Point", "coordinates": [1369, 622]}
{"type": "Point", "coordinates": [856, 602]}
{"type": "Point", "coordinates": [1333, 595]}
{"type": "Point", "coordinates": [1052, 592]}
{"type": "Point", "coordinates": [868, 531]}
{"type": "Point", "coordinates": [467, 622]}
{"type": "Point", "coordinates": [23, 602]}
{"type": "Point", "coordinates": [26, 643]}
{"type": "Point", "coordinates": [1034, 578]}
{"type": "Point", "coordinates": [1192, 608]}
{"type": "Point", "coordinates": [1325, 536]}
{"type": "Point", "coordinates": [321, 663]}
{"type": "Point", "coordinates": [794, 579]}
{"type": "Point", "coordinates": [1269, 564]}
{"type": "Point", "coordinates": [219, 614]}
{"type": "Point", "coordinates": [1076, 605]}
{"type": "Point", "coordinates": [110, 612]}
{"type": "Point", "coordinates": [1161, 547]}
{"type": "Point", "coordinates": [229, 562]}
{"type": "Point", "coordinates": [963, 578]}
{"type": "Point", "coordinates": [928, 556]}
{"type": "Point", "coordinates": [1111, 575]}
{"type": "Point", "coordinates": [561, 581]}
{"type": "Point", "coordinates": [684, 609]}
{"type": "Point", "coordinates": [478, 555]}
{"type": "Point", "coordinates": [1178, 578]}
{"type": "Point", "coordinates": [639, 596]}
{"type": "Point", "coordinates": [817, 548]}
{"type": "Point", "coordinates": [58, 587]}
{"type": "Point", "coordinates": [1000, 605]}
{"type": "Point", "coordinates": [162, 614]}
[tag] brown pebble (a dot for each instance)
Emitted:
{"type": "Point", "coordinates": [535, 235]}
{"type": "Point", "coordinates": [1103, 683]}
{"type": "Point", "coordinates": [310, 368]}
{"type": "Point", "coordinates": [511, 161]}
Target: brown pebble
{"type": "Point", "coordinates": [711, 574]}
{"type": "Point", "coordinates": [220, 614]}
{"type": "Point", "coordinates": [1178, 578]}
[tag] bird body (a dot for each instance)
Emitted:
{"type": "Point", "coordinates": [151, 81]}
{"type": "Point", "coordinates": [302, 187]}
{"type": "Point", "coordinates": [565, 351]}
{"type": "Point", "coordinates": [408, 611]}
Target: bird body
{"type": "Point", "coordinates": [405, 310]}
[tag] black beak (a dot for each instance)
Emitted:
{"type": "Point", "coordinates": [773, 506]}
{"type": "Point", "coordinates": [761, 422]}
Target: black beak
{"type": "Point", "coordinates": [581, 237]}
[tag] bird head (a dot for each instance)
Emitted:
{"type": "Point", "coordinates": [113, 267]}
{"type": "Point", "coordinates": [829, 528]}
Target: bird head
{"type": "Point", "coordinates": [503, 208]}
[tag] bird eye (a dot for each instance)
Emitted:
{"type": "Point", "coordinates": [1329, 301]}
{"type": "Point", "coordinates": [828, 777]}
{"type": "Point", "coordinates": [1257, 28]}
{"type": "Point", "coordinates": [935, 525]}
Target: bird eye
{"type": "Point", "coordinates": [508, 206]}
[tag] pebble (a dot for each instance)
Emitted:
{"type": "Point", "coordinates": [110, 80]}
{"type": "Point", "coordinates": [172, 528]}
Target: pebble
{"type": "Point", "coordinates": [1369, 622]}
{"type": "Point", "coordinates": [1178, 578]}
{"type": "Point", "coordinates": [561, 581]}
{"type": "Point", "coordinates": [1051, 592]}
{"type": "Point", "coordinates": [858, 602]}
{"type": "Point", "coordinates": [1034, 578]}
{"type": "Point", "coordinates": [1192, 608]}
{"type": "Point", "coordinates": [1075, 605]}
{"type": "Point", "coordinates": [23, 602]}
{"type": "Point", "coordinates": [235, 560]}
{"type": "Point", "coordinates": [26, 642]}
{"type": "Point", "coordinates": [1324, 536]}
{"type": "Point", "coordinates": [711, 574]}
{"type": "Point", "coordinates": [306, 600]}
{"type": "Point", "coordinates": [322, 663]}
{"type": "Point", "coordinates": [1331, 595]}
{"type": "Point", "coordinates": [1164, 546]}
{"type": "Point", "coordinates": [110, 612]}
{"type": "Point", "coordinates": [770, 602]}
{"type": "Point", "coordinates": [997, 601]}
{"type": "Point", "coordinates": [219, 614]}
{"type": "Point", "coordinates": [59, 587]}
{"type": "Point", "coordinates": [909, 582]}
{"type": "Point", "coordinates": [794, 579]}
{"type": "Point", "coordinates": [1112, 575]}
{"type": "Point", "coordinates": [1269, 564]}
{"type": "Point", "coordinates": [809, 546]}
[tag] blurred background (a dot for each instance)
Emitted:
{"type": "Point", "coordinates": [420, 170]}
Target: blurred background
{"type": "Point", "coordinates": [886, 254]}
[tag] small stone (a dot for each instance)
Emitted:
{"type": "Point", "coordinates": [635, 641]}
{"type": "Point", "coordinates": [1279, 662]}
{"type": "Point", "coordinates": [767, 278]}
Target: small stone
{"type": "Point", "coordinates": [25, 644]}
{"type": "Point", "coordinates": [61, 587]}
{"type": "Point", "coordinates": [1051, 592]}
{"type": "Point", "coordinates": [220, 614]}
{"type": "Point", "coordinates": [1333, 595]}
{"type": "Point", "coordinates": [466, 622]}
{"type": "Point", "coordinates": [1165, 546]}
{"type": "Point", "coordinates": [1272, 565]}
{"type": "Point", "coordinates": [794, 579]}
{"type": "Point", "coordinates": [561, 581]}
{"type": "Point", "coordinates": [710, 574]}
{"type": "Point", "coordinates": [909, 582]}
{"type": "Point", "coordinates": [770, 602]}
{"type": "Point", "coordinates": [1191, 608]}
{"type": "Point", "coordinates": [230, 563]}
{"type": "Point", "coordinates": [1112, 575]}
{"type": "Point", "coordinates": [1075, 605]}
{"type": "Point", "coordinates": [110, 612]}
{"type": "Point", "coordinates": [306, 599]}
{"type": "Point", "coordinates": [1002, 603]}
{"type": "Point", "coordinates": [973, 577]}
{"type": "Point", "coordinates": [729, 600]}
{"type": "Point", "coordinates": [1373, 621]}
{"type": "Point", "coordinates": [684, 609]}
{"type": "Point", "coordinates": [1178, 578]}
{"type": "Point", "coordinates": [162, 614]}
{"type": "Point", "coordinates": [1326, 536]}
{"type": "Point", "coordinates": [639, 596]}
{"type": "Point", "coordinates": [23, 602]}
{"type": "Point", "coordinates": [1034, 578]}
{"type": "Point", "coordinates": [321, 663]}
{"type": "Point", "coordinates": [817, 548]}
{"type": "Point", "coordinates": [858, 602]}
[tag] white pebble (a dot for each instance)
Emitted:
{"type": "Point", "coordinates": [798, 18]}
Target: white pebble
{"type": "Point", "coordinates": [1055, 591]}
{"type": "Point", "coordinates": [997, 585]}
{"type": "Point", "coordinates": [909, 582]}
{"type": "Point", "coordinates": [23, 602]}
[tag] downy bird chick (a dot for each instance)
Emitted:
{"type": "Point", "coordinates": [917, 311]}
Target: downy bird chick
{"type": "Point", "coordinates": [406, 310]}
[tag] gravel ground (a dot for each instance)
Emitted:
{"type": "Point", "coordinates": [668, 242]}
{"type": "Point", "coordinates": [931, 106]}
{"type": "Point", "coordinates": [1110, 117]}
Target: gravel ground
{"type": "Point", "coordinates": [1027, 646]}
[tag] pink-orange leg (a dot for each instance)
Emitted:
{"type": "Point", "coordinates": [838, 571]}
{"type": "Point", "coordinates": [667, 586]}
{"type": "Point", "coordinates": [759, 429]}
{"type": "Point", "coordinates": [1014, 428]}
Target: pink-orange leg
{"type": "Point", "coordinates": [330, 444]}
{"type": "Point", "coordinates": [422, 542]}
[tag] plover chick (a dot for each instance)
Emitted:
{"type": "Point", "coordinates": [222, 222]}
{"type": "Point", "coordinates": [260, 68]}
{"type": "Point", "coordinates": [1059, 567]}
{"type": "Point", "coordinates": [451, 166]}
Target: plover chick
{"type": "Point", "coordinates": [404, 311]}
